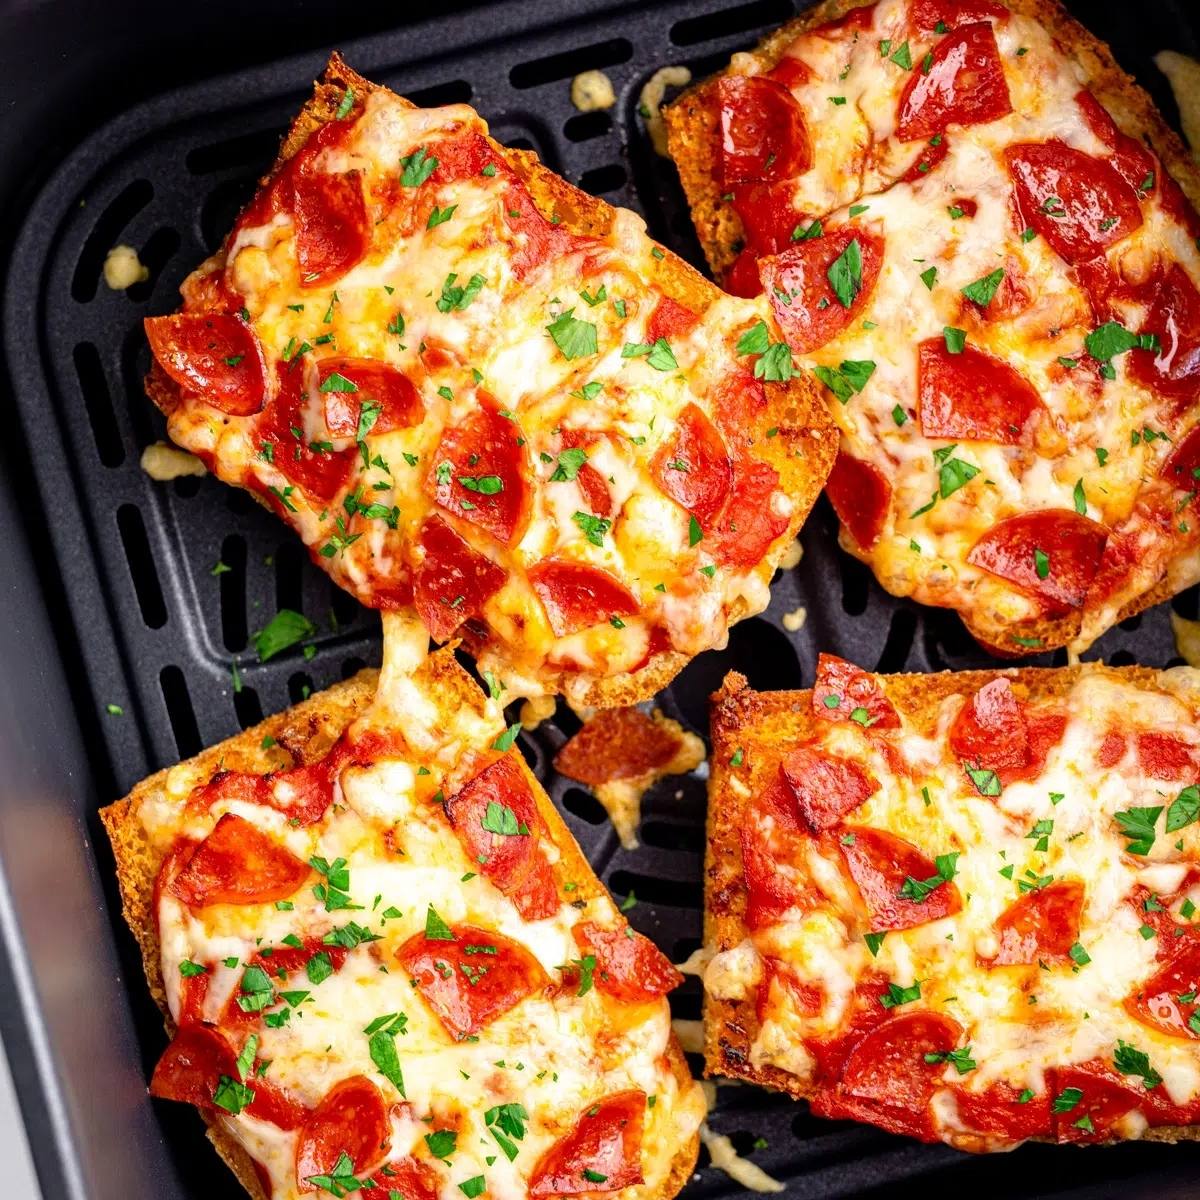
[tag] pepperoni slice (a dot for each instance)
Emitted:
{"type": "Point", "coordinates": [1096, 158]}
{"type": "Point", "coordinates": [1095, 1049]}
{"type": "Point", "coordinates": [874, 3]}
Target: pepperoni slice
{"type": "Point", "coordinates": [577, 596]}
{"type": "Point", "coordinates": [305, 460]}
{"type": "Point", "coordinates": [290, 959]}
{"type": "Point", "coordinates": [802, 298]}
{"type": "Point", "coordinates": [879, 863]}
{"type": "Point", "coordinates": [366, 381]}
{"type": "Point", "coordinates": [693, 467]}
{"type": "Point", "coordinates": [332, 228]}
{"type": "Point", "coordinates": [471, 979]}
{"type": "Point", "coordinates": [739, 403]}
{"type": "Point", "coordinates": [769, 218]}
{"type": "Point", "coordinates": [861, 496]}
{"type": "Point", "coordinates": [741, 277]}
{"type": "Point", "coordinates": [929, 14]}
{"type": "Point", "coordinates": [238, 864]}
{"type": "Point", "coordinates": [1164, 757]}
{"type": "Point", "coordinates": [191, 1068]}
{"type": "Point", "coordinates": [1112, 750]}
{"type": "Point", "coordinates": [352, 1119]}
{"type": "Point", "coordinates": [1182, 467]}
{"type": "Point", "coordinates": [217, 357]}
{"type": "Point", "coordinates": [499, 798]}
{"type": "Point", "coordinates": [990, 730]}
{"type": "Point", "coordinates": [406, 1177]}
{"type": "Point", "coordinates": [1172, 312]}
{"type": "Point", "coordinates": [769, 849]}
{"type": "Point", "coordinates": [763, 133]}
{"type": "Point", "coordinates": [1041, 926]}
{"type": "Point", "coordinates": [1052, 554]}
{"type": "Point", "coordinates": [617, 743]}
{"type": "Point", "coordinates": [452, 581]}
{"type": "Point", "coordinates": [973, 396]}
{"type": "Point", "coordinates": [486, 450]}
{"type": "Point", "coordinates": [826, 786]}
{"type": "Point", "coordinates": [593, 489]}
{"type": "Point", "coordinates": [930, 154]}
{"type": "Point", "coordinates": [1157, 1001]}
{"type": "Point", "coordinates": [844, 692]}
{"type": "Point", "coordinates": [670, 320]}
{"type": "Point", "coordinates": [602, 1153]}
{"type": "Point", "coordinates": [964, 85]}
{"type": "Point", "coordinates": [1105, 1100]}
{"type": "Point", "coordinates": [790, 71]}
{"type": "Point", "coordinates": [628, 965]}
{"type": "Point", "coordinates": [1131, 159]}
{"type": "Point", "coordinates": [999, 1110]}
{"type": "Point", "coordinates": [1078, 203]}
{"type": "Point", "coordinates": [750, 520]}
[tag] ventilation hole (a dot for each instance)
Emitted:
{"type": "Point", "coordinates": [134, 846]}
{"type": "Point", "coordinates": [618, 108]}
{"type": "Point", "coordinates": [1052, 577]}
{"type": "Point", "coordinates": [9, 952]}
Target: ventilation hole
{"type": "Point", "coordinates": [232, 585]}
{"type": "Point", "coordinates": [666, 835]}
{"type": "Point", "coordinates": [588, 125]}
{"type": "Point", "coordinates": [856, 581]}
{"type": "Point", "coordinates": [531, 753]}
{"type": "Point", "coordinates": [650, 889]}
{"type": "Point", "coordinates": [343, 608]}
{"type": "Point", "coordinates": [289, 577]}
{"type": "Point", "coordinates": [566, 720]}
{"type": "Point", "coordinates": [250, 150]}
{"type": "Point", "coordinates": [221, 207]}
{"type": "Point", "coordinates": [300, 686]}
{"type": "Point", "coordinates": [352, 666]}
{"type": "Point", "coordinates": [584, 805]}
{"type": "Point", "coordinates": [564, 66]}
{"type": "Point", "coordinates": [187, 486]}
{"type": "Point", "coordinates": [238, 502]}
{"type": "Point", "coordinates": [684, 948]}
{"type": "Point", "coordinates": [686, 1002]}
{"type": "Point", "coordinates": [456, 91]}
{"type": "Point", "coordinates": [155, 253]}
{"type": "Point", "coordinates": [1131, 624]}
{"type": "Point", "coordinates": [1121, 658]}
{"type": "Point", "coordinates": [141, 566]}
{"type": "Point", "coordinates": [729, 20]}
{"type": "Point", "coordinates": [899, 642]}
{"type": "Point", "coordinates": [143, 417]}
{"type": "Point", "coordinates": [179, 711]}
{"type": "Point", "coordinates": [603, 179]}
{"type": "Point", "coordinates": [1185, 603]}
{"type": "Point", "coordinates": [106, 233]}
{"type": "Point", "coordinates": [98, 401]}
{"type": "Point", "coordinates": [247, 706]}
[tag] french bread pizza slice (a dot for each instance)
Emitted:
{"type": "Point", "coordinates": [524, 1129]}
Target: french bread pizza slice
{"type": "Point", "coordinates": [980, 235]}
{"type": "Point", "coordinates": [475, 391]}
{"type": "Point", "coordinates": [388, 970]}
{"type": "Point", "coordinates": [961, 907]}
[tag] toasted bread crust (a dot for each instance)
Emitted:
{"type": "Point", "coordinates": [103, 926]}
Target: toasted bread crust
{"type": "Point", "coordinates": [302, 735]}
{"type": "Point", "coordinates": [758, 723]}
{"type": "Point", "coordinates": [802, 453]}
{"type": "Point", "coordinates": [692, 137]}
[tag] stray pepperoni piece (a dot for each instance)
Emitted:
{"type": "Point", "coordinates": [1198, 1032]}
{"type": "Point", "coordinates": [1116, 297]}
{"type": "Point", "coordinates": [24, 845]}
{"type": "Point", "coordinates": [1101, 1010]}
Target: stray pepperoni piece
{"type": "Point", "coordinates": [990, 730]}
{"type": "Point", "coordinates": [217, 357]}
{"type": "Point", "coordinates": [750, 520]}
{"type": "Point", "coordinates": [191, 1068]}
{"type": "Point", "coordinates": [467, 985]}
{"type": "Point", "coordinates": [1106, 1099]}
{"type": "Point", "coordinates": [486, 452]}
{"type": "Point", "coordinates": [931, 153]}
{"type": "Point", "coordinates": [769, 218]}
{"type": "Point", "coordinates": [1164, 757]}
{"type": "Point", "coordinates": [741, 277]}
{"type": "Point", "coordinates": [1052, 554]}
{"type": "Point", "coordinates": [617, 743]}
{"type": "Point", "coordinates": [290, 959]}
{"type": "Point", "coordinates": [406, 1177]}
{"type": "Point", "coordinates": [1157, 1001]}
{"type": "Point", "coordinates": [593, 489]}
{"type": "Point", "coordinates": [670, 320]}
{"type": "Point", "coordinates": [1182, 467]}
{"type": "Point", "coordinates": [1078, 203]}
{"type": "Point", "coordinates": [929, 14]}
{"type": "Point", "coordinates": [763, 133]}
{"type": "Point", "coordinates": [453, 580]}
{"type": "Point", "coordinates": [1040, 926]}
{"type": "Point", "coordinates": [352, 1119]}
{"type": "Point", "coordinates": [394, 397]}
{"type": "Point", "coordinates": [999, 1109]}
{"type": "Point", "coordinates": [603, 1153]}
{"type": "Point", "coordinates": [739, 403]}
{"type": "Point", "coordinates": [499, 798]}
{"type": "Point", "coordinates": [826, 786]}
{"type": "Point", "coordinates": [319, 473]}
{"type": "Point", "coordinates": [972, 395]}
{"type": "Point", "coordinates": [628, 965]}
{"type": "Point", "coordinates": [1112, 750]}
{"type": "Point", "coordinates": [879, 863]}
{"type": "Point", "coordinates": [239, 864]}
{"type": "Point", "coordinates": [964, 85]}
{"type": "Point", "coordinates": [789, 72]}
{"type": "Point", "coordinates": [1172, 312]}
{"type": "Point", "coordinates": [802, 298]}
{"type": "Point", "coordinates": [693, 468]}
{"type": "Point", "coordinates": [577, 596]}
{"type": "Point", "coordinates": [844, 692]}
{"type": "Point", "coordinates": [861, 496]}
{"type": "Point", "coordinates": [332, 231]}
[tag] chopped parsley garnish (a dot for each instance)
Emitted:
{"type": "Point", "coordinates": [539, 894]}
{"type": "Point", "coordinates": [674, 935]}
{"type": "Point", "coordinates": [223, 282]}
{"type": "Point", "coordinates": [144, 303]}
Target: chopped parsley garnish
{"type": "Point", "coordinates": [918, 890]}
{"type": "Point", "coordinates": [569, 464]}
{"type": "Point", "coordinates": [439, 216]}
{"type": "Point", "coordinates": [573, 337]}
{"type": "Point", "coordinates": [456, 298]}
{"type": "Point", "coordinates": [982, 290]}
{"type": "Point", "coordinates": [417, 167]}
{"type": "Point", "coordinates": [506, 1123]}
{"type": "Point", "coordinates": [956, 339]}
{"type": "Point", "coordinates": [594, 528]}
{"type": "Point", "coordinates": [845, 272]}
{"type": "Point", "coordinates": [848, 379]}
{"type": "Point", "coordinates": [284, 630]}
{"type": "Point", "coordinates": [505, 741]}
{"type": "Point", "coordinates": [436, 930]}
{"type": "Point", "coordinates": [1137, 824]}
{"type": "Point", "coordinates": [1185, 808]}
{"type": "Point", "coordinates": [897, 995]}
{"type": "Point", "coordinates": [960, 1058]}
{"type": "Point", "coordinates": [381, 1042]}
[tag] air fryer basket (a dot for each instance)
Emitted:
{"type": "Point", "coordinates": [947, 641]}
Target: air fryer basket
{"type": "Point", "coordinates": [159, 634]}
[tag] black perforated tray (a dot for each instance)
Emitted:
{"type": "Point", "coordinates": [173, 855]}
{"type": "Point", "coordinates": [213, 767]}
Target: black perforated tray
{"type": "Point", "coordinates": [153, 631]}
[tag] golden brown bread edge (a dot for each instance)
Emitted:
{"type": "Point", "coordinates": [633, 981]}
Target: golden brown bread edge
{"type": "Point", "coordinates": [761, 724]}
{"type": "Point", "coordinates": [302, 735]}
{"type": "Point", "coordinates": [802, 452]}
{"type": "Point", "coordinates": [692, 140]}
